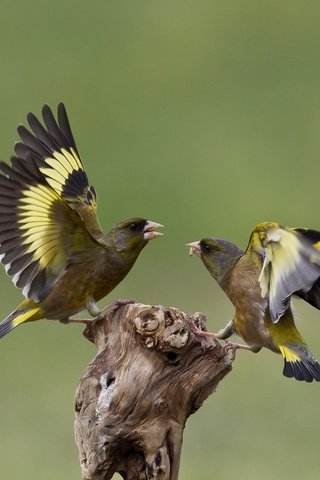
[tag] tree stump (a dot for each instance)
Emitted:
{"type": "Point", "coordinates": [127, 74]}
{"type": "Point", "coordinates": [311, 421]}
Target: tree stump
{"type": "Point", "coordinates": [150, 373]}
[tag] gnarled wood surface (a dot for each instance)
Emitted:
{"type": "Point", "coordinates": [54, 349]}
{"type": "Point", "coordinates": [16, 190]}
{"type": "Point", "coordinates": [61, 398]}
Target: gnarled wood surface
{"type": "Point", "coordinates": [150, 373]}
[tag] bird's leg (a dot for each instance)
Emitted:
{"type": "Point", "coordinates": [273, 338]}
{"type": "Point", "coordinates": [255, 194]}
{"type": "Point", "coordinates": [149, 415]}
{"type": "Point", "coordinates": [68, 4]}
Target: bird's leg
{"type": "Point", "coordinates": [239, 346]}
{"type": "Point", "coordinates": [93, 308]}
{"type": "Point", "coordinates": [226, 332]}
{"type": "Point", "coordinates": [95, 311]}
{"type": "Point", "coordinates": [65, 321]}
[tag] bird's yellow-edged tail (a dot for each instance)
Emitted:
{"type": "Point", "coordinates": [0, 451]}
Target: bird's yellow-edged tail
{"type": "Point", "coordinates": [20, 315]}
{"type": "Point", "coordinates": [299, 363]}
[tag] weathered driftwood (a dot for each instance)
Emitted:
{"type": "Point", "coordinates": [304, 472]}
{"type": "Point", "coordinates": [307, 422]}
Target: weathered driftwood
{"type": "Point", "coordinates": [150, 373]}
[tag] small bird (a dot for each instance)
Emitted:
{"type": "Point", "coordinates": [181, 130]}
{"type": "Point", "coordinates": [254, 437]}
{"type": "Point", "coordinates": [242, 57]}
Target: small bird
{"type": "Point", "coordinates": [279, 262]}
{"type": "Point", "coordinates": [51, 242]}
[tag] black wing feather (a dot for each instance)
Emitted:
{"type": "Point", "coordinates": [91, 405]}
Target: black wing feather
{"type": "Point", "coordinates": [313, 295]}
{"type": "Point", "coordinates": [65, 125]}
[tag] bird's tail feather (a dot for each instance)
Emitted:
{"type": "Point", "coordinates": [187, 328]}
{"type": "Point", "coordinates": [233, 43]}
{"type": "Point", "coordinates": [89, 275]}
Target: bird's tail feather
{"type": "Point", "coordinates": [300, 364]}
{"type": "Point", "coordinates": [16, 318]}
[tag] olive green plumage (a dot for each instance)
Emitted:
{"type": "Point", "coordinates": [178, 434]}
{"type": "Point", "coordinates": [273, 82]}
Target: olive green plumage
{"type": "Point", "coordinates": [51, 242]}
{"type": "Point", "coordinates": [278, 263]}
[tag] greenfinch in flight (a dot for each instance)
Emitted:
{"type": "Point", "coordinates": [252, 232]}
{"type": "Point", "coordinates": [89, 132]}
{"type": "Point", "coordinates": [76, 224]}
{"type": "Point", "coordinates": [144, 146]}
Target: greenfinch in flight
{"type": "Point", "coordinates": [279, 262]}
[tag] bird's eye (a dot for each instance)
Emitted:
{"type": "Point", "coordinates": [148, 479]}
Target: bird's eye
{"type": "Point", "coordinates": [206, 248]}
{"type": "Point", "coordinates": [133, 227]}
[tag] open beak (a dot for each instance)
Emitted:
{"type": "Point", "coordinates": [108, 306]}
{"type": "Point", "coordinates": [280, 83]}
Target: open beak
{"type": "Point", "coordinates": [149, 232]}
{"type": "Point", "coordinates": [194, 248]}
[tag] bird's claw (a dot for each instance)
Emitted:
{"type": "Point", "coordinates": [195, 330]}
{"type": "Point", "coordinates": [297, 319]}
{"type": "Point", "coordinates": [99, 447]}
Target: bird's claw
{"type": "Point", "coordinates": [196, 327]}
{"type": "Point", "coordinates": [234, 347]}
{"type": "Point", "coordinates": [120, 302]}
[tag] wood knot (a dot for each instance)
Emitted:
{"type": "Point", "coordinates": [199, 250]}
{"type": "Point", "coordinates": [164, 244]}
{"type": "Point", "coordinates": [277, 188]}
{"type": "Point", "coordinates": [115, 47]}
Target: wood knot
{"type": "Point", "coordinates": [162, 328]}
{"type": "Point", "coordinates": [148, 322]}
{"type": "Point", "coordinates": [149, 342]}
{"type": "Point", "coordinates": [161, 405]}
{"type": "Point", "coordinates": [176, 335]}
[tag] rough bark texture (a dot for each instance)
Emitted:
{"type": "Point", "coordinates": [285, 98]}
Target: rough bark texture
{"type": "Point", "coordinates": [150, 373]}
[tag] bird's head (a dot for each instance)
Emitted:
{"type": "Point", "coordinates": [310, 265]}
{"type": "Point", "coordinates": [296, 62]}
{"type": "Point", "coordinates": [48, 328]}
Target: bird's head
{"type": "Point", "coordinates": [218, 255]}
{"type": "Point", "coordinates": [130, 236]}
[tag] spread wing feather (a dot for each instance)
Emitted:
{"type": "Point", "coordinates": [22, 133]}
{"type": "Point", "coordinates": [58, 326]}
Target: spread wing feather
{"type": "Point", "coordinates": [48, 209]}
{"type": "Point", "coordinates": [54, 150]}
{"type": "Point", "coordinates": [37, 231]}
{"type": "Point", "coordinates": [312, 296]}
{"type": "Point", "coordinates": [291, 266]}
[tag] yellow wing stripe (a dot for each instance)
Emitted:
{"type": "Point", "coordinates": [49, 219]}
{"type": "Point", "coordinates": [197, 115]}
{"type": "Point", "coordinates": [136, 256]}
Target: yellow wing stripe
{"type": "Point", "coordinates": [38, 233]}
{"type": "Point", "coordinates": [42, 190]}
{"type": "Point", "coordinates": [39, 229]}
{"type": "Point", "coordinates": [65, 160]}
{"type": "Point", "coordinates": [75, 156]}
{"type": "Point", "coordinates": [39, 219]}
{"type": "Point", "coordinates": [37, 236]}
{"type": "Point", "coordinates": [24, 316]}
{"type": "Point", "coordinates": [37, 193]}
{"type": "Point", "coordinates": [288, 354]}
{"type": "Point", "coordinates": [44, 253]}
{"type": "Point", "coordinates": [70, 161]}
{"type": "Point", "coordinates": [29, 195]}
{"type": "Point", "coordinates": [284, 256]}
{"type": "Point", "coordinates": [51, 173]}
{"type": "Point", "coordinates": [33, 207]}
{"type": "Point", "coordinates": [35, 201]}
{"type": "Point", "coordinates": [289, 256]}
{"type": "Point", "coordinates": [69, 166]}
{"type": "Point", "coordinates": [54, 184]}
{"type": "Point", "coordinates": [39, 244]}
{"type": "Point", "coordinates": [62, 167]}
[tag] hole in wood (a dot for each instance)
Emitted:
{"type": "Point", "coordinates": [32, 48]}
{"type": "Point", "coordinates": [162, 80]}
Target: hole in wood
{"type": "Point", "coordinates": [110, 381]}
{"type": "Point", "coordinates": [172, 357]}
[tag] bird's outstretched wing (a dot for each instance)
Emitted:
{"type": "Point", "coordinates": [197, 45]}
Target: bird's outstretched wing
{"type": "Point", "coordinates": [43, 195]}
{"type": "Point", "coordinates": [290, 264]}
{"type": "Point", "coordinates": [55, 153]}
{"type": "Point", "coordinates": [312, 296]}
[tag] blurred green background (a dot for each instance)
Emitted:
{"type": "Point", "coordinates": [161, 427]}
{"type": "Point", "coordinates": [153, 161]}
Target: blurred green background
{"type": "Point", "coordinates": [201, 115]}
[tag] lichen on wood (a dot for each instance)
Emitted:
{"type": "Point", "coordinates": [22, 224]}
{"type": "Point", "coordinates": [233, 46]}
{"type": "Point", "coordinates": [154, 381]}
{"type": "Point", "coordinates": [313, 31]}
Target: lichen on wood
{"type": "Point", "coordinates": [150, 373]}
